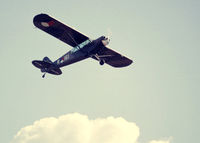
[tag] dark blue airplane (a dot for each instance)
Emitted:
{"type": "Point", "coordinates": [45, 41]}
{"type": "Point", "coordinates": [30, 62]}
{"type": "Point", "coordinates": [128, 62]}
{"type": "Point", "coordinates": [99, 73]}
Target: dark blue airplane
{"type": "Point", "coordinates": [83, 47]}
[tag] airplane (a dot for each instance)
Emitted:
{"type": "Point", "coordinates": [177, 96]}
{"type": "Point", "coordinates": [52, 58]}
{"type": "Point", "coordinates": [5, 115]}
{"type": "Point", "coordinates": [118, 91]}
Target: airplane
{"type": "Point", "coordinates": [83, 47]}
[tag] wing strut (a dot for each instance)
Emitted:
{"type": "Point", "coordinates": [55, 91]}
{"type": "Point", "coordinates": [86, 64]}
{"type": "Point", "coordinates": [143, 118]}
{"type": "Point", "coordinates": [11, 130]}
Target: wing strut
{"type": "Point", "coordinates": [74, 41]}
{"type": "Point", "coordinates": [76, 44]}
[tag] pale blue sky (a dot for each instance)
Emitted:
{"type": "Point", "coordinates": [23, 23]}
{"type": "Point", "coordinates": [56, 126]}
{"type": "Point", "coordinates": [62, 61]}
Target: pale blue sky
{"type": "Point", "coordinates": [159, 91]}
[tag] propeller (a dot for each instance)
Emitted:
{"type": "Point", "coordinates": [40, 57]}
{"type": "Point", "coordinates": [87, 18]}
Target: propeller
{"type": "Point", "coordinates": [109, 33]}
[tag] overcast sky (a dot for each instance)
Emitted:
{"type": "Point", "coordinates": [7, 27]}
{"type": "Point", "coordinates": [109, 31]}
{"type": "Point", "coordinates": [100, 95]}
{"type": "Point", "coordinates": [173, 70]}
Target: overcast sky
{"type": "Point", "coordinates": [158, 93]}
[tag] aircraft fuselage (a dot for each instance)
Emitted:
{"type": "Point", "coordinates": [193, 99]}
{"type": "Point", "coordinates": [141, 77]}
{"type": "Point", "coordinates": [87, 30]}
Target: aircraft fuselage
{"type": "Point", "coordinates": [82, 51]}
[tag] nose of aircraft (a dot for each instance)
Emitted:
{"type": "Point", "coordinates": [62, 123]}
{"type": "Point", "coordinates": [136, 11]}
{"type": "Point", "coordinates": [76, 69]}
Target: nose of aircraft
{"type": "Point", "coordinates": [105, 41]}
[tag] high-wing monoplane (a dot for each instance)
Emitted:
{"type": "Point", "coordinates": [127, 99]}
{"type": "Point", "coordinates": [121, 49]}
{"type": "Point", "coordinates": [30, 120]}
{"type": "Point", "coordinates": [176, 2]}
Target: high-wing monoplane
{"type": "Point", "coordinates": [83, 47]}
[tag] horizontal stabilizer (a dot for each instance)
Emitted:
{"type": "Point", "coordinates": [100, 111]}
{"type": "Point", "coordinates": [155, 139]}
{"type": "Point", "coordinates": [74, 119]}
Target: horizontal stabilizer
{"type": "Point", "coordinates": [47, 67]}
{"type": "Point", "coordinates": [46, 59]}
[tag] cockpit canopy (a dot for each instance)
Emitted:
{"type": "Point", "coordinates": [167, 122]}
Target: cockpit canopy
{"type": "Point", "coordinates": [81, 45]}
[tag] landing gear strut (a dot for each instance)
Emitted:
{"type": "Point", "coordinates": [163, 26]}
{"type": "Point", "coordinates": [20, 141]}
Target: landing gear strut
{"type": "Point", "coordinates": [101, 62]}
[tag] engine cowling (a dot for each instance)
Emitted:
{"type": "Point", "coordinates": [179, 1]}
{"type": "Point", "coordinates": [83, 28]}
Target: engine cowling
{"type": "Point", "coordinates": [105, 41]}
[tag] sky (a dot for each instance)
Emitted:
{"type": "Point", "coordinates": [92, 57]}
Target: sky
{"type": "Point", "coordinates": [154, 100]}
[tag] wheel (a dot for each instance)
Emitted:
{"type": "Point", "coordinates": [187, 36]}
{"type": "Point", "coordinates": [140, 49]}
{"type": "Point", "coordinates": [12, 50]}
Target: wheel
{"type": "Point", "coordinates": [43, 75]}
{"type": "Point", "coordinates": [101, 62]}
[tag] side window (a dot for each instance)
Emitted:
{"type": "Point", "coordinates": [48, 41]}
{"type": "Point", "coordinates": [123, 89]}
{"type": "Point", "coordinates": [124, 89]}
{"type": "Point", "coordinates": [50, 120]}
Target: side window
{"type": "Point", "coordinates": [74, 50]}
{"type": "Point", "coordinates": [80, 46]}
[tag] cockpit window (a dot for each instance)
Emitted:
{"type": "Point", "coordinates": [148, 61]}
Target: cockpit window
{"type": "Point", "coordinates": [80, 46]}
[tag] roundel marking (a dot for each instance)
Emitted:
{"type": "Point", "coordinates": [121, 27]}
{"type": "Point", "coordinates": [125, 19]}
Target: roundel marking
{"type": "Point", "coordinates": [47, 24]}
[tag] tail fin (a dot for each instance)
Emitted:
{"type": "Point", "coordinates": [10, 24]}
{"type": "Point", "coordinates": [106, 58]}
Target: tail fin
{"type": "Point", "coordinates": [46, 59]}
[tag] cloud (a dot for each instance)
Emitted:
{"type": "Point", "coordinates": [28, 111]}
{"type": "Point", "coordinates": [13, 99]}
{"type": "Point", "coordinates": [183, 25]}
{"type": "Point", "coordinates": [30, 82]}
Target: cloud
{"type": "Point", "coordinates": [77, 128]}
{"type": "Point", "coordinates": [160, 141]}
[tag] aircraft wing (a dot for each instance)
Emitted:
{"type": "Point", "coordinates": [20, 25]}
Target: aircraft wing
{"type": "Point", "coordinates": [112, 58]}
{"type": "Point", "coordinates": [59, 30]}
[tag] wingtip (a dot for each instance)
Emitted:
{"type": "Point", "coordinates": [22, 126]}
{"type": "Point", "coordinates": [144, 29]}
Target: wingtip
{"type": "Point", "coordinates": [39, 17]}
{"type": "Point", "coordinates": [128, 64]}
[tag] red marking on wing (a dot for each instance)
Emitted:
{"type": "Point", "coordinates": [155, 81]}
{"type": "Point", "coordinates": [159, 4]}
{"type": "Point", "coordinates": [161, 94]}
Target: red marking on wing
{"type": "Point", "coordinates": [50, 23]}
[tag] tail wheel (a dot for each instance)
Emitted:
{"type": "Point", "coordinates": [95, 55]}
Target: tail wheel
{"type": "Point", "coordinates": [43, 75]}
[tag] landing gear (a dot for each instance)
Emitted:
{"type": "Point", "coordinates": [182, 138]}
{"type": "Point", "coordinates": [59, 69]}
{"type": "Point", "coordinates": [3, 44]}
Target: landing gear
{"type": "Point", "coordinates": [43, 75]}
{"type": "Point", "coordinates": [101, 62]}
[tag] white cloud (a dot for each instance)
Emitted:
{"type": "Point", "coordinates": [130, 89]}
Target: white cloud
{"type": "Point", "coordinates": [160, 141]}
{"type": "Point", "coordinates": [77, 128]}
